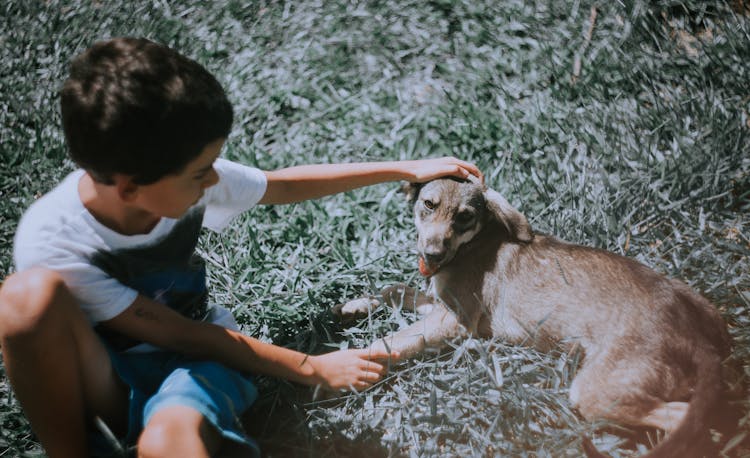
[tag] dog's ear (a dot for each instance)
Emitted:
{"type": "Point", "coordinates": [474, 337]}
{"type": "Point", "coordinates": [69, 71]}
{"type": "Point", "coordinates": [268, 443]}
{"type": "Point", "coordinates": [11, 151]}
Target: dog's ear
{"type": "Point", "coordinates": [517, 225]}
{"type": "Point", "coordinates": [411, 190]}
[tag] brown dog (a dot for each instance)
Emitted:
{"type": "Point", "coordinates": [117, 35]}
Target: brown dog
{"type": "Point", "coordinates": [653, 348]}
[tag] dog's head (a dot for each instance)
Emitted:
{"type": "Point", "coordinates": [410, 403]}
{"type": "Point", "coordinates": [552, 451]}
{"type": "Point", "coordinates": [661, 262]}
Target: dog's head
{"type": "Point", "coordinates": [449, 213]}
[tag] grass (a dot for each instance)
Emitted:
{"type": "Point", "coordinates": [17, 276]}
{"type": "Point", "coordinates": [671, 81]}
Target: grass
{"type": "Point", "coordinates": [646, 152]}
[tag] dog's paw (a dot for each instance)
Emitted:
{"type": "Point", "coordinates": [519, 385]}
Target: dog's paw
{"type": "Point", "coordinates": [356, 308]}
{"type": "Point", "coordinates": [361, 306]}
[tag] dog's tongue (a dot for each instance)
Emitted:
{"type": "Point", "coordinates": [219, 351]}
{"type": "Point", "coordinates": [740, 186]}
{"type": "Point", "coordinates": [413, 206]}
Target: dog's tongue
{"type": "Point", "coordinates": [423, 269]}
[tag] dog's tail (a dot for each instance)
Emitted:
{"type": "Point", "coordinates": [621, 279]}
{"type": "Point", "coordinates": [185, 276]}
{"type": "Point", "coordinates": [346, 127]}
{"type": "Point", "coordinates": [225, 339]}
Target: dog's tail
{"type": "Point", "coordinates": [692, 437]}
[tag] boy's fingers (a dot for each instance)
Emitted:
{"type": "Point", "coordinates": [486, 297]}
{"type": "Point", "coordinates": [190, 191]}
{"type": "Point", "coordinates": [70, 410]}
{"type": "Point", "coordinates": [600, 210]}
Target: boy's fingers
{"type": "Point", "coordinates": [466, 168]}
{"type": "Point", "coordinates": [472, 169]}
{"type": "Point", "coordinates": [372, 354]}
{"type": "Point", "coordinates": [359, 385]}
{"type": "Point", "coordinates": [371, 377]}
{"type": "Point", "coordinates": [372, 366]}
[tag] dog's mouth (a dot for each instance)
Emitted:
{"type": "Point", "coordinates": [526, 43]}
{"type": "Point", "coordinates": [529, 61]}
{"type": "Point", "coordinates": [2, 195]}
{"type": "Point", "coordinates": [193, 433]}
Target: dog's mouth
{"type": "Point", "coordinates": [426, 269]}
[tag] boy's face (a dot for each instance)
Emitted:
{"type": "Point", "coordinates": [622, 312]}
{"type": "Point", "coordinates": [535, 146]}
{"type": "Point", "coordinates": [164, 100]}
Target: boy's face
{"type": "Point", "coordinates": [172, 195]}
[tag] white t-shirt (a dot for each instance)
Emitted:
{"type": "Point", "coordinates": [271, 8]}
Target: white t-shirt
{"type": "Point", "coordinates": [106, 270]}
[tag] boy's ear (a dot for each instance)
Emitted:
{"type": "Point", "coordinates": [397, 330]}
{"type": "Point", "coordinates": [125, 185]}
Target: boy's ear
{"type": "Point", "coordinates": [411, 190]}
{"type": "Point", "coordinates": [515, 223]}
{"type": "Point", "coordinates": [126, 188]}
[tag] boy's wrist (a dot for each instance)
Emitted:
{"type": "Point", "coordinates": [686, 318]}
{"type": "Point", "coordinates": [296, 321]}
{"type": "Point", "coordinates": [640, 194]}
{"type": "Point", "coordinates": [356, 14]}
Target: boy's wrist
{"type": "Point", "coordinates": [308, 370]}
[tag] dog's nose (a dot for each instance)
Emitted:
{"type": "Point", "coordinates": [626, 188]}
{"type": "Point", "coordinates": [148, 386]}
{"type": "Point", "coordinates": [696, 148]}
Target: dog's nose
{"type": "Point", "coordinates": [434, 257]}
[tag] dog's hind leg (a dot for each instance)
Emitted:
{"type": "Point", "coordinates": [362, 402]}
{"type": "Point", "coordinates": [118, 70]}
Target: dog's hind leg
{"type": "Point", "coordinates": [666, 416]}
{"type": "Point", "coordinates": [623, 391]}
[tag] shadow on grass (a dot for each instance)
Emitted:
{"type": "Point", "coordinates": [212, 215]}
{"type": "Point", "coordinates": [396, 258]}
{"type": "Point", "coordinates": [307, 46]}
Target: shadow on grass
{"type": "Point", "coordinates": [280, 422]}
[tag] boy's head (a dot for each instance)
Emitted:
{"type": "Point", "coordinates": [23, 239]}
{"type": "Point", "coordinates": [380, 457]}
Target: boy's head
{"type": "Point", "coordinates": [134, 107]}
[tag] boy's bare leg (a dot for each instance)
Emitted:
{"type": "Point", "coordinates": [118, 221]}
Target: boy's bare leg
{"type": "Point", "coordinates": [59, 369]}
{"type": "Point", "coordinates": [180, 432]}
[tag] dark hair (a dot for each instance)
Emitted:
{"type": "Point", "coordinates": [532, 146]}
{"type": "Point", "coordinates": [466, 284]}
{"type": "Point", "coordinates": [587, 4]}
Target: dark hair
{"type": "Point", "coordinates": [139, 108]}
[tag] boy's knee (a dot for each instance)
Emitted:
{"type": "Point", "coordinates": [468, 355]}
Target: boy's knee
{"type": "Point", "coordinates": [156, 440]}
{"type": "Point", "coordinates": [26, 298]}
{"type": "Point", "coordinates": [177, 431]}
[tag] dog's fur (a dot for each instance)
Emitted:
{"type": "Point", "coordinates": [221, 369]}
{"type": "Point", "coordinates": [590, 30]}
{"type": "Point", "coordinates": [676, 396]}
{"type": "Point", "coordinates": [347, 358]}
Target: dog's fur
{"type": "Point", "coordinates": [653, 348]}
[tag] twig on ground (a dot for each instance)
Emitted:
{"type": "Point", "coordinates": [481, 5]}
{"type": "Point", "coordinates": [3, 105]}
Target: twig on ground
{"type": "Point", "coordinates": [586, 42]}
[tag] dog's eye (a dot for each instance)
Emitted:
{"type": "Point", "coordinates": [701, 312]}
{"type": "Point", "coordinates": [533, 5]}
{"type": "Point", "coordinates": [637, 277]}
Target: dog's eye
{"type": "Point", "coordinates": [429, 205]}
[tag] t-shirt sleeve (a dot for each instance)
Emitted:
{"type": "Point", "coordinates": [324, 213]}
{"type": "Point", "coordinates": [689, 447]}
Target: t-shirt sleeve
{"type": "Point", "coordinates": [50, 235]}
{"type": "Point", "coordinates": [100, 296]}
{"type": "Point", "coordinates": [239, 188]}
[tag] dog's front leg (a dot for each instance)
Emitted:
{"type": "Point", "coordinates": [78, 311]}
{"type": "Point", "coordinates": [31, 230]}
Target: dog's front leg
{"type": "Point", "coordinates": [432, 331]}
{"type": "Point", "coordinates": [396, 296]}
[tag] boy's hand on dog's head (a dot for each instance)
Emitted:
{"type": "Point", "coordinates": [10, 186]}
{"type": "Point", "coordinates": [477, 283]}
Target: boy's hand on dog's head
{"type": "Point", "coordinates": [428, 169]}
{"type": "Point", "coordinates": [353, 370]}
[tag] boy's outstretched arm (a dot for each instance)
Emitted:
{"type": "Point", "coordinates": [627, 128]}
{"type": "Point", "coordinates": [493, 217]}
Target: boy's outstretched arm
{"type": "Point", "coordinates": [149, 321]}
{"type": "Point", "coordinates": [304, 182]}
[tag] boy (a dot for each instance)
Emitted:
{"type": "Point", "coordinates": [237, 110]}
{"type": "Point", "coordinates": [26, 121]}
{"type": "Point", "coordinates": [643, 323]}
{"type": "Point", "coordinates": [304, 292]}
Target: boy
{"type": "Point", "coordinates": [108, 315]}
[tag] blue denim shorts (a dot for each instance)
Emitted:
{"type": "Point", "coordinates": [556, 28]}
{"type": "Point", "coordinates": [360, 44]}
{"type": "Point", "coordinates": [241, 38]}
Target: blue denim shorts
{"type": "Point", "coordinates": [164, 379]}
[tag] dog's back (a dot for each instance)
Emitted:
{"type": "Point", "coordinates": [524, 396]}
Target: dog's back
{"type": "Point", "coordinates": [576, 292]}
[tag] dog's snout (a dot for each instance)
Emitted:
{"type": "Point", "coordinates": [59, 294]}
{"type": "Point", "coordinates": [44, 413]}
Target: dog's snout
{"type": "Point", "coordinates": [434, 247]}
{"type": "Point", "coordinates": [435, 240]}
{"type": "Point", "coordinates": [434, 257]}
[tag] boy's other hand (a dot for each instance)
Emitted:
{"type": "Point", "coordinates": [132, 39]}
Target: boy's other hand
{"type": "Point", "coordinates": [429, 169]}
{"type": "Point", "coordinates": [350, 369]}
